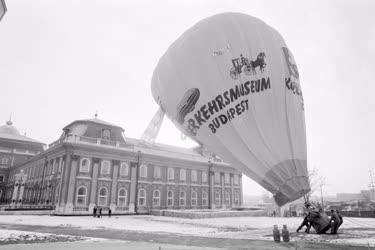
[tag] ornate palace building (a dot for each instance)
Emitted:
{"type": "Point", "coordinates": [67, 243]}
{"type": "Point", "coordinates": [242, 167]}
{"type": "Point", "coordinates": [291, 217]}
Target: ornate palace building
{"type": "Point", "coordinates": [94, 164]}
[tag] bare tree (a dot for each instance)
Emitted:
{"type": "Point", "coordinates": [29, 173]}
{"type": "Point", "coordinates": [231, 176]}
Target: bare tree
{"type": "Point", "coordinates": [317, 182]}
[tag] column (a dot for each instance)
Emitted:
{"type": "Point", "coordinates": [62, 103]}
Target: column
{"type": "Point", "coordinates": [22, 185]}
{"type": "Point", "coordinates": [222, 180]}
{"type": "Point", "coordinates": [15, 190]}
{"type": "Point", "coordinates": [133, 187]}
{"type": "Point", "coordinates": [232, 190]}
{"type": "Point", "coordinates": [212, 189]}
{"type": "Point", "coordinates": [94, 183]}
{"type": "Point", "coordinates": [240, 184]}
{"type": "Point", "coordinates": [64, 181]}
{"type": "Point", "coordinates": [72, 181]}
{"type": "Point", "coordinates": [114, 185]}
{"type": "Point", "coordinates": [59, 180]}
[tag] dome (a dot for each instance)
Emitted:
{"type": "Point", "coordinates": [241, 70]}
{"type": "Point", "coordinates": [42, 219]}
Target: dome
{"type": "Point", "coordinates": [10, 132]}
{"type": "Point", "coordinates": [9, 129]}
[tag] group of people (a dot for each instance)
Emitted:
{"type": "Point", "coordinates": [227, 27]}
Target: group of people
{"type": "Point", "coordinates": [318, 219]}
{"type": "Point", "coordinates": [97, 212]}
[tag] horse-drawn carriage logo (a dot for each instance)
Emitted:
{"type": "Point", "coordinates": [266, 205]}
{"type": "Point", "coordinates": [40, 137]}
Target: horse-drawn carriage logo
{"type": "Point", "coordinates": [243, 64]}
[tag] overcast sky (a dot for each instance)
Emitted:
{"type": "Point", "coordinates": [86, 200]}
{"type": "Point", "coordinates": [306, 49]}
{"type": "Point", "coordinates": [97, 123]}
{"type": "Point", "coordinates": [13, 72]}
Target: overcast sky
{"type": "Point", "coordinates": [64, 60]}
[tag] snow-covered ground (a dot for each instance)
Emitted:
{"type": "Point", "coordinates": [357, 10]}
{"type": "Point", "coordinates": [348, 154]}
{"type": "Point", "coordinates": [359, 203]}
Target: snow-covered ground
{"type": "Point", "coordinates": [16, 237]}
{"type": "Point", "coordinates": [356, 231]}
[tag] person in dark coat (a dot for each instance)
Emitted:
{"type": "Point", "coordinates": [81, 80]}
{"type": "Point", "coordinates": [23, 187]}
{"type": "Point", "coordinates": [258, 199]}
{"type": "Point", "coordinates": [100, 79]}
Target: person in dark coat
{"type": "Point", "coordinates": [335, 221]}
{"type": "Point", "coordinates": [340, 216]}
{"type": "Point", "coordinates": [109, 212]}
{"type": "Point", "coordinates": [306, 223]}
{"type": "Point", "coordinates": [94, 211]}
{"type": "Point", "coordinates": [100, 212]}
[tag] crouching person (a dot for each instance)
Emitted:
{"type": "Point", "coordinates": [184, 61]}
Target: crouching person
{"type": "Point", "coordinates": [335, 222]}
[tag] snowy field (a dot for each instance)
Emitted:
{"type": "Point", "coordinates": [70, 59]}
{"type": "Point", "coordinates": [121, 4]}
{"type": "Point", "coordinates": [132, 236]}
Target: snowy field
{"type": "Point", "coordinates": [354, 231]}
{"type": "Point", "coordinates": [16, 237]}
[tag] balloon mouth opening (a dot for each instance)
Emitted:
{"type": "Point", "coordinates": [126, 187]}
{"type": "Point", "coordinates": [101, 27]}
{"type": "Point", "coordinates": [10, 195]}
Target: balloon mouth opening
{"type": "Point", "coordinates": [281, 199]}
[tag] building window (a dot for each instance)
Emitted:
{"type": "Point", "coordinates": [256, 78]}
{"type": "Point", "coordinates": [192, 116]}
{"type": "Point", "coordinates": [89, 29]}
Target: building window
{"type": "Point", "coordinates": [157, 172]}
{"type": "Point", "coordinates": [227, 178]}
{"type": "Point", "coordinates": [236, 198]}
{"type": "Point", "coordinates": [143, 171]}
{"type": "Point", "coordinates": [204, 176]}
{"type": "Point", "coordinates": [194, 175]}
{"type": "Point", "coordinates": [105, 168]}
{"type": "Point", "coordinates": [182, 175]}
{"type": "Point", "coordinates": [227, 198]}
{"type": "Point", "coordinates": [122, 197]}
{"type": "Point", "coordinates": [4, 160]}
{"type": "Point", "coordinates": [217, 197]}
{"type": "Point", "coordinates": [204, 198]}
{"type": "Point", "coordinates": [81, 196]}
{"type": "Point", "coordinates": [102, 199]}
{"type": "Point", "coordinates": [141, 197]}
{"type": "Point", "coordinates": [106, 134]}
{"type": "Point", "coordinates": [1, 178]}
{"type": "Point", "coordinates": [54, 168]}
{"type": "Point", "coordinates": [170, 198]}
{"type": "Point", "coordinates": [217, 177]}
{"type": "Point", "coordinates": [182, 198]}
{"type": "Point", "coordinates": [84, 167]}
{"type": "Point", "coordinates": [194, 198]}
{"type": "Point", "coordinates": [235, 179]}
{"type": "Point", "coordinates": [124, 169]}
{"type": "Point", "coordinates": [170, 174]}
{"type": "Point", "coordinates": [156, 198]}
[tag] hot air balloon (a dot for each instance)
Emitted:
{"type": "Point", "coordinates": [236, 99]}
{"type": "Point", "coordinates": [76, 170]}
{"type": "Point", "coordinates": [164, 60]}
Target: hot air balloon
{"type": "Point", "coordinates": [231, 84]}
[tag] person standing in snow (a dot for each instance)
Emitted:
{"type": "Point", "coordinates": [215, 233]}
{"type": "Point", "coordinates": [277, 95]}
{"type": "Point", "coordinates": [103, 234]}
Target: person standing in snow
{"type": "Point", "coordinates": [109, 212]}
{"type": "Point", "coordinates": [94, 211]}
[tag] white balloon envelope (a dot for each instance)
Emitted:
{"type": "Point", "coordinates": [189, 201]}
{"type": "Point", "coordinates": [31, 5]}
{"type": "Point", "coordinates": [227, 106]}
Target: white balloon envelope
{"type": "Point", "coordinates": [231, 84]}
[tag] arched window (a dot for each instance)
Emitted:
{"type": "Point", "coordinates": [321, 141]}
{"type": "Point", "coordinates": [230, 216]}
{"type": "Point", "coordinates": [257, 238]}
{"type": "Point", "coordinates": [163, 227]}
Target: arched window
{"type": "Point", "coordinates": [124, 169]}
{"type": "Point", "coordinates": [170, 198]}
{"type": "Point", "coordinates": [227, 178]}
{"type": "Point", "coordinates": [217, 197]}
{"type": "Point", "coordinates": [4, 160]}
{"type": "Point", "coordinates": [156, 198]}
{"type": "Point", "coordinates": [143, 171]}
{"type": "Point", "coordinates": [102, 198]}
{"type": "Point", "coordinates": [217, 178]}
{"type": "Point", "coordinates": [182, 198]}
{"type": "Point", "coordinates": [194, 198]}
{"type": "Point", "coordinates": [227, 198]}
{"type": "Point", "coordinates": [81, 196]}
{"type": "Point", "coordinates": [182, 175]}
{"type": "Point", "coordinates": [122, 197]}
{"type": "Point", "coordinates": [204, 198]}
{"type": "Point", "coordinates": [235, 179]}
{"type": "Point", "coordinates": [157, 172]}
{"type": "Point", "coordinates": [105, 169]}
{"type": "Point", "coordinates": [204, 176]}
{"type": "Point", "coordinates": [170, 174]}
{"type": "Point", "coordinates": [85, 165]}
{"type": "Point", "coordinates": [106, 135]}
{"type": "Point", "coordinates": [194, 175]}
{"type": "Point", "coordinates": [141, 197]}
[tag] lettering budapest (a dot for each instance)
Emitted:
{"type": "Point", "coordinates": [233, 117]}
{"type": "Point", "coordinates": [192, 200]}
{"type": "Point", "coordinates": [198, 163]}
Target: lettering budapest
{"type": "Point", "coordinates": [226, 101]}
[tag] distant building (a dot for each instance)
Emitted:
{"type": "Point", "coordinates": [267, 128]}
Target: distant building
{"type": "Point", "coordinates": [349, 196]}
{"type": "Point", "coordinates": [15, 149]}
{"type": "Point", "coordinates": [94, 164]}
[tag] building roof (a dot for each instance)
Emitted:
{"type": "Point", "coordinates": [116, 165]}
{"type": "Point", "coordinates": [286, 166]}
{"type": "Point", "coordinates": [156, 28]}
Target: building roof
{"type": "Point", "coordinates": [10, 132]}
{"type": "Point", "coordinates": [96, 121]}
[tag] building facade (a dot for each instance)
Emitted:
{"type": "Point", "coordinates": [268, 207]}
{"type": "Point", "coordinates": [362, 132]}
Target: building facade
{"type": "Point", "coordinates": [15, 149]}
{"type": "Point", "coordinates": [94, 164]}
